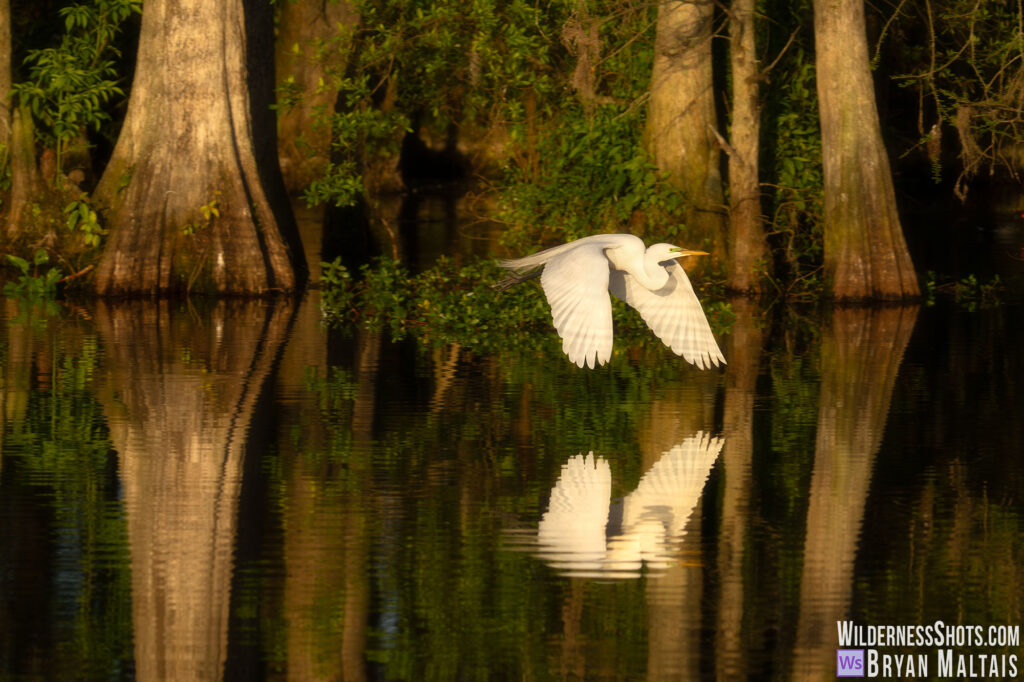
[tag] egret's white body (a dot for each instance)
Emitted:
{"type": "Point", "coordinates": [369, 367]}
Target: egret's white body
{"type": "Point", "coordinates": [578, 276]}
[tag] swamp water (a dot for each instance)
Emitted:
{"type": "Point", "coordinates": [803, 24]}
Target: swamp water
{"type": "Point", "coordinates": [231, 491]}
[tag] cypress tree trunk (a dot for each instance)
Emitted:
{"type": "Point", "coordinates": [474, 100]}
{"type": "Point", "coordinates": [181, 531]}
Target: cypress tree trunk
{"type": "Point", "coordinates": [746, 234]}
{"type": "Point", "coordinates": [865, 253]}
{"type": "Point", "coordinates": [193, 195]}
{"type": "Point", "coordinates": [681, 118]}
{"type": "Point", "coordinates": [26, 184]}
{"type": "Point", "coordinates": [304, 135]}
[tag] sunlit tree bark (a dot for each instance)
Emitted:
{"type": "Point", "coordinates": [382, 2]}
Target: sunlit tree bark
{"type": "Point", "coordinates": [311, 35]}
{"type": "Point", "coordinates": [192, 195]}
{"type": "Point", "coordinates": [860, 358]}
{"type": "Point", "coordinates": [747, 249]}
{"type": "Point", "coordinates": [179, 395]}
{"type": "Point", "coordinates": [26, 184]}
{"type": "Point", "coordinates": [681, 116]}
{"type": "Point", "coordinates": [865, 252]}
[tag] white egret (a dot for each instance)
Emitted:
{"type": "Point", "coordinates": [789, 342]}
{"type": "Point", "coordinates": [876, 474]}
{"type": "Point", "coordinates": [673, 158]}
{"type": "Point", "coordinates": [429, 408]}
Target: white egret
{"type": "Point", "coordinates": [578, 276]}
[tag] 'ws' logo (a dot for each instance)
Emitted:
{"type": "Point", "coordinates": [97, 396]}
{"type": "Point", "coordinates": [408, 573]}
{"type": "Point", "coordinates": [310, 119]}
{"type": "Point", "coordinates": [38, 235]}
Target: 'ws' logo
{"type": "Point", "coordinates": [849, 663]}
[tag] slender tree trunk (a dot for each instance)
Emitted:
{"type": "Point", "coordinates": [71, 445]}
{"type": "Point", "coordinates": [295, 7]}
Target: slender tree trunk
{"type": "Point", "coordinates": [581, 37]}
{"type": "Point", "coordinates": [865, 253]}
{"type": "Point", "coordinates": [304, 129]}
{"type": "Point", "coordinates": [5, 81]}
{"type": "Point", "coordinates": [27, 186]}
{"type": "Point", "coordinates": [193, 195]}
{"type": "Point", "coordinates": [748, 251]}
{"type": "Point", "coordinates": [681, 119]}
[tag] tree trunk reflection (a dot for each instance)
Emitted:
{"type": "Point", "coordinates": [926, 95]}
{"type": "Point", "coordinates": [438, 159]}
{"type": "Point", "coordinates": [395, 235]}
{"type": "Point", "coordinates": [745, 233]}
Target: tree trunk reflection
{"type": "Point", "coordinates": [744, 353]}
{"type": "Point", "coordinates": [860, 357]}
{"type": "Point", "coordinates": [674, 596]}
{"type": "Point", "coordinates": [326, 588]}
{"type": "Point", "coordinates": [179, 389]}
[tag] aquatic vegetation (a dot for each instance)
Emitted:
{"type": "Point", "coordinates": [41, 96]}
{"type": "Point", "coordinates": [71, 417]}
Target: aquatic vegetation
{"type": "Point", "coordinates": [33, 284]}
{"type": "Point", "coordinates": [968, 292]}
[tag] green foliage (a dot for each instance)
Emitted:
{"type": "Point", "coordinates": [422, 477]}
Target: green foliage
{"type": "Point", "coordinates": [442, 304]}
{"type": "Point", "coordinates": [790, 159]}
{"type": "Point", "coordinates": [340, 185]}
{"type": "Point", "coordinates": [577, 159]}
{"type": "Point", "coordinates": [359, 129]}
{"type": "Point", "coordinates": [421, 63]}
{"type": "Point", "coordinates": [210, 212]}
{"type": "Point", "coordinates": [797, 159]}
{"type": "Point", "coordinates": [453, 61]}
{"type": "Point", "coordinates": [592, 168]}
{"type": "Point", "coordinates": [338, 294]}
{"type": "Point", "coordinates": [125, 179]}
{"type": "Point", "coordinates": [33, 285]}
{"type": "Point", "coordinates": [792, 166]}
{"type": "Point", "coordinates": [71, 87]}
{"type": "Point", "coordinates": [80, 216]}
{"type": "Point", "coordinates": [968, 292]}
{"type": "Point", "coordinates": [963, 61]}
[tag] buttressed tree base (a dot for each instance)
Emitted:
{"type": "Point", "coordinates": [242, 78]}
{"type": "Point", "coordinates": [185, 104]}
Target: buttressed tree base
{"type": "Point", "coordinates": [188, 192]}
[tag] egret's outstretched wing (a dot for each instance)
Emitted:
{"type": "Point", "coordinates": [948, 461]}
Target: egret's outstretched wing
{"type": "Point", "coordinates": [674, 315]}
{"type": "Point", "coordinates": [572, 530]}
{"type": "Point", "coordinates": [576, 285]}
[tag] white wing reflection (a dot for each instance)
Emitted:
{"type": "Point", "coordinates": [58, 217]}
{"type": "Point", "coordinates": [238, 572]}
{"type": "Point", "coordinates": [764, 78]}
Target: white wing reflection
{"type": "Point", "coordinates": [582, 534]}
{"type": "Point", "coordinates": [574, 524]}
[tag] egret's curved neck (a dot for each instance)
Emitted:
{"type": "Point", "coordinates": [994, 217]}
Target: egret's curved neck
{"type": "Point", "coordinates": [642, 266]}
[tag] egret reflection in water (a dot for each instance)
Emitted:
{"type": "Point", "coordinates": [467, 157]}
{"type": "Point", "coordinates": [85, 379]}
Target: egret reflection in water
{"type": "Point", "coordinates": [583, 535]}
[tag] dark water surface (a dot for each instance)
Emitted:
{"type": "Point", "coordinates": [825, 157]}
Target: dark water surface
{"type": "Point", "coordinates": [229, 491]}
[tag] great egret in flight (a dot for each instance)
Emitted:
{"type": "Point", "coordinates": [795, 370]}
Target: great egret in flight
{"type": "Point", "coordinates": [578, 276]}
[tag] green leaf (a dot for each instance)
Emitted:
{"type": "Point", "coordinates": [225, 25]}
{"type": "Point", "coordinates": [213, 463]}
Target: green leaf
{"type": "Point", "coordinates": [52, 277]}
{"type": "Point", "coordinates": [20, 263]}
